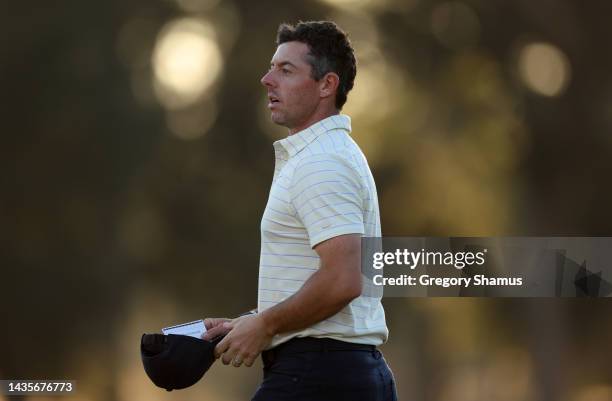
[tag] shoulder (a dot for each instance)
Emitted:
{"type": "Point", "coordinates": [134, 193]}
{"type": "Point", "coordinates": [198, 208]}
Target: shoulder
{"type": "Point", "coordinates": [321, 166]}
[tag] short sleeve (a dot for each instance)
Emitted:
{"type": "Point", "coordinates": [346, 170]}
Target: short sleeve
{"type": "Point", "coordinates": [326, 192]}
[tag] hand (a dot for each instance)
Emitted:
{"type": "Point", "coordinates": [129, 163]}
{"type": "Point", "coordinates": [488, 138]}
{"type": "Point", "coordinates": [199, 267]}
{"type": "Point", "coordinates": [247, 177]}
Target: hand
{"type": "Point", "coordinates": [214, 328]}
{"type": "Point", "coordinates": [248, 336]}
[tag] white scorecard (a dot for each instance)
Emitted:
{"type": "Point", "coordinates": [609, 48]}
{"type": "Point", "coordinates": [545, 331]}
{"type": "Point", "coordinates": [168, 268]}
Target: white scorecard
{"type": "Point", "coordinates": [193, 329]}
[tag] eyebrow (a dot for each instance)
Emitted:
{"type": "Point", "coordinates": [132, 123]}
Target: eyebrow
{"type": "Point", "coordinates": [283, 63]}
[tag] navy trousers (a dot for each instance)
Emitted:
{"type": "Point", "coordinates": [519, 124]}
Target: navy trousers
{"type": "Point", "coordinates": [314, 369]}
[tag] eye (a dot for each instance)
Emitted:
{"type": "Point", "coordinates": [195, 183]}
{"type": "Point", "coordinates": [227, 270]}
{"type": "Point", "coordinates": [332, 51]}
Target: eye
{"type": "Point", "coordinates": [286, 71]}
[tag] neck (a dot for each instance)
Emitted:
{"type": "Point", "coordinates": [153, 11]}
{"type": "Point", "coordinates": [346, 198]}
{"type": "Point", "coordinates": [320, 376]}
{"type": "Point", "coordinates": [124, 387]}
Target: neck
{"type": "Point", "coordinates": [315, 118]}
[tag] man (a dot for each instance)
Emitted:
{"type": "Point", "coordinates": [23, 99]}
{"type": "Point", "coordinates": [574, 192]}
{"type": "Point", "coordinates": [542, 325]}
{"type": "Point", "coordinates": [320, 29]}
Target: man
{"type": "Point", "coordinates": [318, 333]}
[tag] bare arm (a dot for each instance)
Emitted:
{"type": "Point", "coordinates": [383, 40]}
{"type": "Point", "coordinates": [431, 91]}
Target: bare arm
{"type": "Point", "coordinates": [327, 291]}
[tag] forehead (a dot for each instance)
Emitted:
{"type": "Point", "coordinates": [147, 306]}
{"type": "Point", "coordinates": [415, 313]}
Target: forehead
{"type": "Point", "coordinates": [291, 52]}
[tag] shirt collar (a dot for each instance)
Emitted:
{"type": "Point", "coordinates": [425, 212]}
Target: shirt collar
{"type": "Point", "coordinates": [293, 144]}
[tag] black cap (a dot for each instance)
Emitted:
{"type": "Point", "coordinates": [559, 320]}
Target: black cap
{"type": "Point", "coordinates": [176, 361]}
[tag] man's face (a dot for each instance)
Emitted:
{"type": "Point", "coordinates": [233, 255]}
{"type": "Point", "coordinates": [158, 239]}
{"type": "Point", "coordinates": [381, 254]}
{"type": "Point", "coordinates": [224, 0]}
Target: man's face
{"type": "Point", "coordinates": [293, 94]}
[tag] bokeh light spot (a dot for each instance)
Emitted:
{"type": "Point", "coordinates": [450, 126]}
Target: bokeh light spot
{"type": "Point", "coordinates": [544, 69]}
{"type": "Point", "coordinates": [186, 62]}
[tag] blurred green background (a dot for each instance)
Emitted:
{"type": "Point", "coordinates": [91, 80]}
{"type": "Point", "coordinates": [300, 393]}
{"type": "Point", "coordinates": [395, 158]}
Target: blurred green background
{"type": "Point", "coordinates": [136, 160]}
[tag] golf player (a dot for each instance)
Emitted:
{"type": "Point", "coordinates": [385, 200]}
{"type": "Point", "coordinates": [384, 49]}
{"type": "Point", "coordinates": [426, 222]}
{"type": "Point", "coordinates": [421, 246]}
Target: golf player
{"type": "Point", "coordinates": [317, 333]}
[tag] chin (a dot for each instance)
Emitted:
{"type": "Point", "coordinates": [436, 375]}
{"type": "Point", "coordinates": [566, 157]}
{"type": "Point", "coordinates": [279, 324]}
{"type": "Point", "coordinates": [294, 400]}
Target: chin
{"type": "Point", "coordinates": [277, 119]}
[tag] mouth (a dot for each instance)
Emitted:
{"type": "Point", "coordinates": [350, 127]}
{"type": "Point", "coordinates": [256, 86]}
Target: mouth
{"type": "Point", "coordinates": [272, 100]}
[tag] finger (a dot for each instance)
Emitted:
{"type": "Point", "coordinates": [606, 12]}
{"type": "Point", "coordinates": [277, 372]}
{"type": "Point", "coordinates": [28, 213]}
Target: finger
{"type": "Point", "coordinates": [208, 323]}
{"type": "Point", "coordinates": [214, 332]}
{"type": "Point", "coordinates": [228, 356]}
{"type": "Point", "coordinates": [208, 335]}
{"type": "Point", "coordinates": [212, 322]}
{"type": "Point", "coordinates": [217, 331]}
{"type": "Point", "coordinates": [222, 347]}
{"type": "Point", "coordinates": [237, 361]}
{"type": "Point", "coordinates": [248, 362]}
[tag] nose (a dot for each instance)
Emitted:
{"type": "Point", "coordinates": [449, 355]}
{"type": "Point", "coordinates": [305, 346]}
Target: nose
{"type": "Point", "coordinates": [267, 80]}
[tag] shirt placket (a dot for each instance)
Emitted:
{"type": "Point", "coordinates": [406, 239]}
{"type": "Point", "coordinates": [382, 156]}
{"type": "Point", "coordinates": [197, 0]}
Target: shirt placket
{"type": "Point", "coordinates": [281, 157]}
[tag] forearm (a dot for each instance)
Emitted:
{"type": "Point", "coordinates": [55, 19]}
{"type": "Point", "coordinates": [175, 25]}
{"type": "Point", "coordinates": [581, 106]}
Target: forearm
{"type": "Point", "coordinates": [323, 295]}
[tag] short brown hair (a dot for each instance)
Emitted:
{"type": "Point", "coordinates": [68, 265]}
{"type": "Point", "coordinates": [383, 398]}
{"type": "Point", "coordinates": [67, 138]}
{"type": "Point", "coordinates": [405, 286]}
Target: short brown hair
{"type": "Point", "coordinates": [330, 51]}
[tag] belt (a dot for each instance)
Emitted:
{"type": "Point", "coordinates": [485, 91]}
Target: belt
{"type": "Point", "coordinates": [311, 344]}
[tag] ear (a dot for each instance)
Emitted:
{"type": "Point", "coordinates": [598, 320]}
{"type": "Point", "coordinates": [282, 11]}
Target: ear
{"type": "Point", "coordinates": [328, 85]}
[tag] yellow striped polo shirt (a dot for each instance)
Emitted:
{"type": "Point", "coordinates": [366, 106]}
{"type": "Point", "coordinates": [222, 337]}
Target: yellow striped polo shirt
{"type": "Point", "coordinates": [322, 188]}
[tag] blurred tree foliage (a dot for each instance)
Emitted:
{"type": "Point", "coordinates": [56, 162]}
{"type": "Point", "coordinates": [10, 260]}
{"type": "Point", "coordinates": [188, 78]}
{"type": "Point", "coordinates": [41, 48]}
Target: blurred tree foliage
{"type": "Point", "coordinates": [103, 207]}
